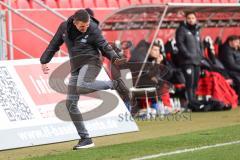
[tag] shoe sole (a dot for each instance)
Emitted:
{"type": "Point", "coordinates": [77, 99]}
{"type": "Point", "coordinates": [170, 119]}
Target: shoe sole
{"type": "Point", "coordinates": [86, 146]}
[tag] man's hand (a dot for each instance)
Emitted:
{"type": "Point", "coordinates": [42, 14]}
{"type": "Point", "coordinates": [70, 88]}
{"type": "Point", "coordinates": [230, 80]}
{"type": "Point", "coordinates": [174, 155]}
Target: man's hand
{"type": "Point", "coordinates": [45, 68]}
{"type": "Point", "coordinates": [154, 79]}
{"type": "Point", "coordinates": [159, 59]}
{"type": "Point", "coordinates": [119, 61]}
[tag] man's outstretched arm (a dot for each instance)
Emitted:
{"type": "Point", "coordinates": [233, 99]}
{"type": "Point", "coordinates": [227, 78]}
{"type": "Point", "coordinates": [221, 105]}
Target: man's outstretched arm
{"type": "Point", "coordinates": [107, 49]}
{"type": "Point", "coordinates": [52, 48]}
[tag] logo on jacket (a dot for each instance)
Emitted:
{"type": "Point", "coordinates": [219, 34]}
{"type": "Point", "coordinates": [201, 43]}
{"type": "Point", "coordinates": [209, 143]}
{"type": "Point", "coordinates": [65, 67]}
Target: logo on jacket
{"type": "Point", "coordinates": [189, 71]}
{"type": "Point", "coordinates": [84, 39]}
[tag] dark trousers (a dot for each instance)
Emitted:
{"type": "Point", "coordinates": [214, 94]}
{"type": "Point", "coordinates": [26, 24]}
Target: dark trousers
{"type": "Point", "coordinates": [83, 82]}
{"type": "Point", "coordinates": [191, 74]}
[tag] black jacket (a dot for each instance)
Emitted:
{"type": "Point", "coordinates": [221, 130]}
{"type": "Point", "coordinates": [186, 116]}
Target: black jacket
{"type": "Point", "coordinates": [83, 48]}
{"type": "Point", "coordinates": [189, 44]}
{"type": "Point", "coordinates": [230, 58]}
{"type": "Point", "coordinates": [150, 70]}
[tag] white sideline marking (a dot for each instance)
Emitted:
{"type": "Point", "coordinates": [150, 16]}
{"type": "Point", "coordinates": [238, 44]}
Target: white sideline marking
{"type": "Point", "coordinates": [186, 150]}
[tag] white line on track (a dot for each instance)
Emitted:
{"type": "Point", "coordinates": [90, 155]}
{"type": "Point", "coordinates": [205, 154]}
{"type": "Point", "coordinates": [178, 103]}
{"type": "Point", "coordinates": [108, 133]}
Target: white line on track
{"type": "Point", "coordinates": [186, 150]}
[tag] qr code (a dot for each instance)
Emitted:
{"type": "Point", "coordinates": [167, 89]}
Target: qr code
{"type": "Point", "coordinates": [11, 99]}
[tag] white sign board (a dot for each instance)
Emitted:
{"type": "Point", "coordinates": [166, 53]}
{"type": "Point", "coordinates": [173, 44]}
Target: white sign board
{"type": "Point", "coordinates": [28, 113]}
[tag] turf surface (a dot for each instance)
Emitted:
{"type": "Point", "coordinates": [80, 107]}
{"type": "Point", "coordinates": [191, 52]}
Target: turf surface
{"type": "Point", "coordinates": [154, 137]}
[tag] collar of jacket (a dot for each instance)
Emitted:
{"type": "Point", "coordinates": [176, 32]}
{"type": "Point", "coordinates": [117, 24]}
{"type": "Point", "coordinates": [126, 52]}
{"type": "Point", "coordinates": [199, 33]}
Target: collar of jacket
{"type": "Point", "coordinates": [195, 28]}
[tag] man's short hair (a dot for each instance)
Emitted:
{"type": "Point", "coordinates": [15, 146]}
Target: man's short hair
{"type": "Point", "coordinates": [81, 15]}
{"type": "Point", "coordinates": [188, 13]}
{"type": "Point", "coordinates": [232, 38]}
{"type": "Point", "coordinates": [90, 11]}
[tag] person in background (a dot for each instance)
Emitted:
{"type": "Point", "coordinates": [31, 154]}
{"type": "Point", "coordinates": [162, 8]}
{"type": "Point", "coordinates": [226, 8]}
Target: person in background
{"type": "Point", "coordinates": [156, 75]}
{"type": "Point", "coordinates": [229, 54]}
{"type": "Point", "coordinates": [84, 40]}
{"type": "Point", "coordinates": [153, 75]}
{"type": "Point", "coordinates": [189, 44]}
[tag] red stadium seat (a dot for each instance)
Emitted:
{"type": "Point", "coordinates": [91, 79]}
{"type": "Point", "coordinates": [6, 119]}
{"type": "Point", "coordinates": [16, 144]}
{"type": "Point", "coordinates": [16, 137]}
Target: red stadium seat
{"type": "Point", "coordinates": [163, 1]}
{"type": "Point", "coordinates": [135, 2]}
{"type": "Point", "coordinates": [2, 7]}
{"type": "Point", "coordinates": [65, 3]}
{"type": "Point", "coordinates": [30, 2]}
{"type": "Point", "coordinates": [171, 1]}
{"type": "Point", "coordinates": [197, 1]}
{"type": "Point", "coordinates": [145, 1]}
{"type": "Point", "coordinates": [23, 4]}
{"type": "Point", "coordinates": [233, 1]}
{"type": "Point", "coordinates": [113, 3]}
{"type": "Point", "coordinates": [58, 3]}
{"type": "Point", "coordinates": [52, 3]}
{"type": "Point", "coordinates": [156, 1]}
{"type": "Point", "coordinates": [78, 4]}
{"type": "Point", "coordinates": [124, 3]}
{"type": "Point", "coordinates": [214, 1]}
{"type": "Point", "coordinates": [89, 4]}
{"type": "Point", "coordinates": [34, 5]}
{"type": "Point", "coordinates": [101, 3]}
{"type": "Point", "coordinates": [177, 1]}
{"type": "Point", "coordinates": [206, 1]}
{"type": "Point", "coordinates": [187, 1]}
{"type": "Point", "coordinates": [14, 4]}
{"type": "Point", "coordinates": [224, 1]}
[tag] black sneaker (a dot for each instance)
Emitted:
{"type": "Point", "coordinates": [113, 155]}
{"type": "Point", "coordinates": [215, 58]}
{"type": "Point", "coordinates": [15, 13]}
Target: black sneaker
{"type": "Point", "coordinates": [122, 89]}
{"type": "Point", "coordinates": [84, 143]}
